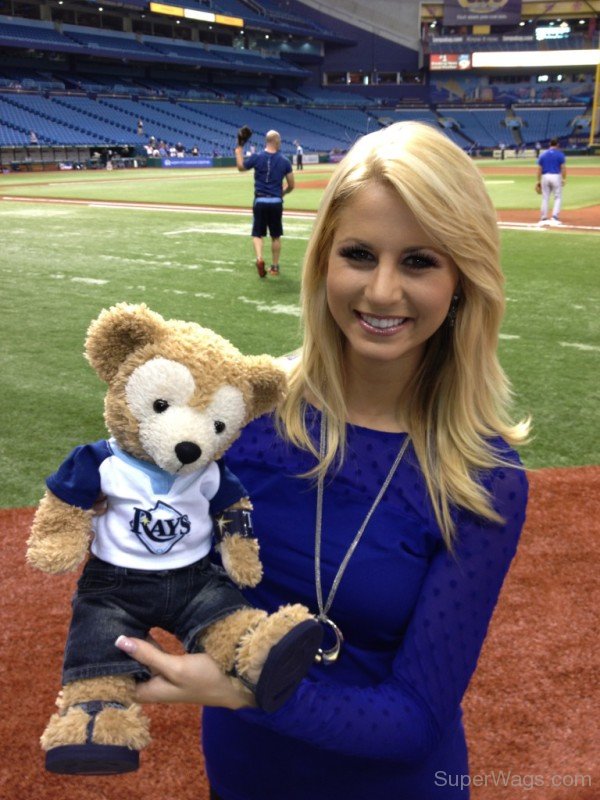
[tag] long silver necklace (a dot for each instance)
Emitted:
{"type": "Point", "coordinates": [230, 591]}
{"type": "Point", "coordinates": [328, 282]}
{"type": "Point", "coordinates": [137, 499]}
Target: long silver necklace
{"type": "Point", "coordinates": [331, 655]}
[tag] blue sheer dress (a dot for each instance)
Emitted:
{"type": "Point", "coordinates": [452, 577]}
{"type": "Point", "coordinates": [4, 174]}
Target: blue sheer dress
{"type": "Point", "coordinates": [384, 722]}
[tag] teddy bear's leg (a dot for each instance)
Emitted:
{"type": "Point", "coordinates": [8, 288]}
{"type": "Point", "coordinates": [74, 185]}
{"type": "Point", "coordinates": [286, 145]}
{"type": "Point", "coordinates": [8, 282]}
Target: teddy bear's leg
{"type": "Point", "coordinates": [222, 638]}
{"type": "Point", "coordinates": [98, 729]}
{"type": "Point", "coordinates": [270, 653]}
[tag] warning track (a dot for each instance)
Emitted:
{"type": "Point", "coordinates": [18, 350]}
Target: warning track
{"type": "Point", "coordinates": [181, 207]}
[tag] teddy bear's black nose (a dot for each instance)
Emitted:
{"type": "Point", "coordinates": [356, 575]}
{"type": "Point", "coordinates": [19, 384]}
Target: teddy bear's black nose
{"type": "Point", "coordinates": [187, 452]}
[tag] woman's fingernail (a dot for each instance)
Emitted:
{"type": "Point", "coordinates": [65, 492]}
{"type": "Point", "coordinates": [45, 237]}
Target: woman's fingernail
{"type": "Point", "coordinates": [128, 645]}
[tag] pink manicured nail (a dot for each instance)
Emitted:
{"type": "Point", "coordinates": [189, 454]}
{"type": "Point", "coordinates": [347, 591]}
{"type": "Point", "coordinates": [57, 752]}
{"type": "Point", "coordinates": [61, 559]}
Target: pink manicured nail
{"type": "Point", "coordinates": [125, 644]}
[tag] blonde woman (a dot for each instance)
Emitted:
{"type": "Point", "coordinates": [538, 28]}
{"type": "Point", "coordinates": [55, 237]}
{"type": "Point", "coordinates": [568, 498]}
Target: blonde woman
{"type": "Point", "coordinates": [387, 495]}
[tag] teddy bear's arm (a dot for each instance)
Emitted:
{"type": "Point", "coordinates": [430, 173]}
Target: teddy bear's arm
{"type": "Point", "coordinates": [238, 549]}
{"type": "Point", "coordinates": [60, 535]}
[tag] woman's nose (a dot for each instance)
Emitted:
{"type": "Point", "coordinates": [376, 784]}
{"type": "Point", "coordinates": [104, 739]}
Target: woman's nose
{"type": "Point", "coordinates": [385, 283]}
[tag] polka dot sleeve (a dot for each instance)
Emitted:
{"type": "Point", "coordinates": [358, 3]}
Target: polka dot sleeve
{"type": "Point", "coordinates": [404, 717]}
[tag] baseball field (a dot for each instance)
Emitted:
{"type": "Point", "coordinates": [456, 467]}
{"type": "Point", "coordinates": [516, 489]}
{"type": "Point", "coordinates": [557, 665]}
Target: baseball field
{"type": "Point", "coordinates": [178, 240]}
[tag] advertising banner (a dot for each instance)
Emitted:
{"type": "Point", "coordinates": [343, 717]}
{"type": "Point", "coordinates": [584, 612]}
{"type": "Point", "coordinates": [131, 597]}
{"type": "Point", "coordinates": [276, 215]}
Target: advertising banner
{"type": "Point", "coordinates": [187, 162]}
{"type": "Point", "coordinates": [482, 12]}
{"type": "Point", "coordinates": [449, 61]}
{"type": "Point", "coordinates": [308, 158]}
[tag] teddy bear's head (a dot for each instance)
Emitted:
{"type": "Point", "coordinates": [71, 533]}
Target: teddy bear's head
{"type": "Point", "coordinates": [178, 394]}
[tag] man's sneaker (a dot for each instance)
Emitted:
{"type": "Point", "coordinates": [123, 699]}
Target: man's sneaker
{"type": "Point", "coordinates": [555, 221]}
{"type": "Point", "coordinates": [260, 268]}
{"type": "Point", "coordinates": [544, 221]}
{"type": "Point", "coordinates": [274, 270]}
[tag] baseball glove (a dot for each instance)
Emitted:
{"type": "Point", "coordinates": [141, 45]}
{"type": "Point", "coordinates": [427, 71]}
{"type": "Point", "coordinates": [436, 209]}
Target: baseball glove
{"type": "Point", "coordinates": [243, 135]}
{"type": "Point", "coordinates": [538, 187]}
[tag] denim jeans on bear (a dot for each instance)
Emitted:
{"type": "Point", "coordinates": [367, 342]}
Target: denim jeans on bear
{"type": "Point", "coordinates": [111, 601]}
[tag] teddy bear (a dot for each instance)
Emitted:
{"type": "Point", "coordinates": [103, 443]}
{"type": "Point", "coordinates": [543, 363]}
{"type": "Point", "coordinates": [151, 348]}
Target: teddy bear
{"type": "Point", "coordinates": [177, 396]}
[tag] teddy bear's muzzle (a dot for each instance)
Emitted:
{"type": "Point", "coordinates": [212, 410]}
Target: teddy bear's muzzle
{"type": "Point", "coordinates": [187, 452]}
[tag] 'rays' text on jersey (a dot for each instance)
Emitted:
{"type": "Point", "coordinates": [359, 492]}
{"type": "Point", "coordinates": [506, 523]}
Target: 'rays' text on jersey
{"type": "Point", "coordinates": [160, 528]}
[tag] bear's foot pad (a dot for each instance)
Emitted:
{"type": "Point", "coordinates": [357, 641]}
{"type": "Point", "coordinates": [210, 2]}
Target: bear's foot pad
{"type": "Point", "coordinates": [287, 664]}
{"type": "Point", "coordinates": [92, 759]}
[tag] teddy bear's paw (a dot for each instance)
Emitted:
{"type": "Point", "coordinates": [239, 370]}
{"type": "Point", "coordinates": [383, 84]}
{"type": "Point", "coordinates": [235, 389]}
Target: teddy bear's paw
{"type": "Point", "coordinates": [276, 656]}
{"type": "Point", "coordinates": [241, 562]}
{"type": "Point", "coordinates": [60, 536]}
{"type": "Point", "coordinates": [56, 557]}
{"type": "Point", "coordinates": [95, 738]}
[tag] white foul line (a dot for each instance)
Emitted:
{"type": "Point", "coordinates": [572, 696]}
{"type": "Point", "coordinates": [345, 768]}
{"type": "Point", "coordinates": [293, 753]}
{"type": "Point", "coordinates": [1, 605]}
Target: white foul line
{"type": "Point", "coordinates": [578, 346]}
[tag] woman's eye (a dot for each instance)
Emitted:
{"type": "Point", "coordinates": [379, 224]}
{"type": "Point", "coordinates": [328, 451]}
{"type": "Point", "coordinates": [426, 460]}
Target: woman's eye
{"type": "Point", "coordinates": [160, 405]}
{"type": "Point", "coordinates": [420, 261]}
{"type": "Point", "coordinates": [356, 254]}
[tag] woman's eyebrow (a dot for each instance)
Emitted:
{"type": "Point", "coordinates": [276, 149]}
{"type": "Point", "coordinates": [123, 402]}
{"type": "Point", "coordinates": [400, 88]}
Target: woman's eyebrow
{"type": "Point", "coordinates": [413, 248]}
{"type": "Point", "coordinates": [351, 240]}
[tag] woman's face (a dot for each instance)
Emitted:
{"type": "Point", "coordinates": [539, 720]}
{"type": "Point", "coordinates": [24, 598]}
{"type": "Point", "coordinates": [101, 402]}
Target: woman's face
{"type": "Point", "coordinates": [388, 287]}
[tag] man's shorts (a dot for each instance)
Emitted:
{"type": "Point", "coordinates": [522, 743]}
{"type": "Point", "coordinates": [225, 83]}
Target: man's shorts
{"type": "Point", "coordinates": [267, 215]}
{"type": "Point", "coordinates": [111, 601]}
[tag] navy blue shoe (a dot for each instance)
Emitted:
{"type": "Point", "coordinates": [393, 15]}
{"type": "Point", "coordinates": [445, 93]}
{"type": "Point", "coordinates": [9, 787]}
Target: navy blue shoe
{"type": "Point", "coordinates": [92, 759]}
{"type": "Point", "coordinates": [287, 664]}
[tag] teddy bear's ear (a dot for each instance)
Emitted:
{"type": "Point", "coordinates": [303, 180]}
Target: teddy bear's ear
{"type": "Point", "coordinates": [269, 384]}
{"type": "Point", "coordinates": [117, 332]}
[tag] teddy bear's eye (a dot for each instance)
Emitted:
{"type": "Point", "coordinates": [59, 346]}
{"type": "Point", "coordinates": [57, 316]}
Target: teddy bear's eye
{"type": "Point", "coordinates": [219, 426]}
{"type": "Point", "coordinates": [160, 405]}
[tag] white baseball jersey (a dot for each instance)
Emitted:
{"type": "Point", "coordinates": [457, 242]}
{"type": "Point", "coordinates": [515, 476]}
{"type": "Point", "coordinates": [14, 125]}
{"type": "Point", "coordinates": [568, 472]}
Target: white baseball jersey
{"type": "Point", "coordinates": [155, 520]}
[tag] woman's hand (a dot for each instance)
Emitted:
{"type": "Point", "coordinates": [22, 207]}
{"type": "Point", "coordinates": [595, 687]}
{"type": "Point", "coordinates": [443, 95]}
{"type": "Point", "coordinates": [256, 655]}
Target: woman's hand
{"type": "Point", "coordinates": [190, 678]}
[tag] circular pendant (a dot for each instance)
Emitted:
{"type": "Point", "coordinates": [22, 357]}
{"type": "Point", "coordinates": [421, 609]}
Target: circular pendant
{"type": "Point", "coordinates": [330, 655]}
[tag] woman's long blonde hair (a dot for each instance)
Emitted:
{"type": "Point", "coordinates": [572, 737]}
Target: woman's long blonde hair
{"type": "Point", "coordinates": [459, 397]}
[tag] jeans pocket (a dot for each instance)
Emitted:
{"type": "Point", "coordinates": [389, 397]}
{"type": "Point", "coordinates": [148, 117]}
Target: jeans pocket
{"type": "Point", "coordinates": [98, 578]}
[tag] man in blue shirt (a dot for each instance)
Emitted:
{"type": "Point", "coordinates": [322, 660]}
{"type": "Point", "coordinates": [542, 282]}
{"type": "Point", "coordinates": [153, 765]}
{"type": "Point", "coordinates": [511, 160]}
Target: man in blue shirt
{"type": "Point", "coordinates": [271, 169]}
{"type": "Point", "coordinates": [551, 177]}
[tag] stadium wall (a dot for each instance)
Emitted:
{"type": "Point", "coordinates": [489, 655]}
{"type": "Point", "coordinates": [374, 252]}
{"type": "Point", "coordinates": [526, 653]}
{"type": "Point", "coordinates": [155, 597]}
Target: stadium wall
{"type": "Point", "coordinates": [397, 22]}
{"type": "Point", "coordinates": [372, 51]}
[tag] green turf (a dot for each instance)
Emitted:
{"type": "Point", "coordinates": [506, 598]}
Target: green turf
{"type": "Point", "coordinates": [518, 191]}
{"type": "Point", "coordinates": [61, 264]}
{"type": "Point", "coordinates": [510, 189]}
{"type": "Point", "coordinates": [553, 302]}
{"type": "Point", "coordinates": [227, 187]}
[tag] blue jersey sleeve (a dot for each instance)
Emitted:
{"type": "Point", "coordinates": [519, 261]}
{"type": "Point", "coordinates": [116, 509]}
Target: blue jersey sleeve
{"type": "Point", "coordinates": [77, 480]}
{"type": "Point", "coordinates": [403, 718]}
{"type": "Point", "coordinates": [230, 490]}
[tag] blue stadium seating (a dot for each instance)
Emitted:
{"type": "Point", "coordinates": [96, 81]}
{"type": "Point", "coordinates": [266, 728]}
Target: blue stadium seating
{"type": "Point", "coordinates": [88, 108]}
{"type": "Point", "coordinates": [111, 44]}
{"type": "Point", "coordinates": [210, 122]}
{"type": "Point", "coordinates": [541, 124]}
{"type": "Point", "coordinates": [483, 125]}
{"type": "Point", "coordinates": [38, 35]}
{"type": "Point", "coordinates": [400, 115]}
{"type": "Point", "coordinates": [90, 41]}
{"type": "Point", "coordinates": [328, 97]}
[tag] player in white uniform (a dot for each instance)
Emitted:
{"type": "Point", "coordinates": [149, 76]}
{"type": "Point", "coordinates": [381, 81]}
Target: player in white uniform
{"type": "Point", "coordinates": [551, 177]}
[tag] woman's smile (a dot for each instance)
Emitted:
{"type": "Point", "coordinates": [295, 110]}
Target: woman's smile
{"type": "Point", "coordinates": [381, 326]}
